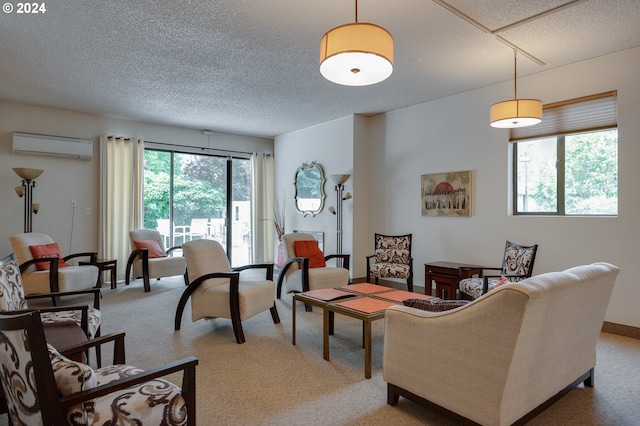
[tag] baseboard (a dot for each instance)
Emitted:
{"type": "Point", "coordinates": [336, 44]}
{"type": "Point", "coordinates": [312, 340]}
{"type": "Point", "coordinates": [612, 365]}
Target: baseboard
{"type": "Point", "coordinates": [620, 329]}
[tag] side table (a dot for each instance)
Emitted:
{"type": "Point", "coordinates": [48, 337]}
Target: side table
{"type": "Point", "coordinates": [103, 265]}
{"type": "Point", "coordinates": [447, 276]}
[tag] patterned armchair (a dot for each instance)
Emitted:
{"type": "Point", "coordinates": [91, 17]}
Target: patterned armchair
{"type": "Point", "coordinates": [43, 386]}
{"type": "Point", "coordinates": [517, 264]}
{"type": "Point", "coordinates": [392, 259]}
{"type": "Point", "coordinates": [12, 299]}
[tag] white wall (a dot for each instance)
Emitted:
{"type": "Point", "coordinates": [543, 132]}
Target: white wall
{"type": "Point", "coordinates": [453, 134]}
{"type": "Point", "coordinates": [68, 179]}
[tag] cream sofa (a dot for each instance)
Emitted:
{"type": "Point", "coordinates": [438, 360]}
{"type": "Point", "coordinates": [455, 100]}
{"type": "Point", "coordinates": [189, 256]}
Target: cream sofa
{"type": "Point", "coordinates": [506, 356]}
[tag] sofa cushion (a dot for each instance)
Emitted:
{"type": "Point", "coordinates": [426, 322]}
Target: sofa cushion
{"type": "Point", "coordinates": [47, 250]}
{"type": "Point", "coordinates": [310, 249]}
{"type": "Point", "coordinates": [153, 246]}
{"type": "Point", "coordinates": [435, 305]}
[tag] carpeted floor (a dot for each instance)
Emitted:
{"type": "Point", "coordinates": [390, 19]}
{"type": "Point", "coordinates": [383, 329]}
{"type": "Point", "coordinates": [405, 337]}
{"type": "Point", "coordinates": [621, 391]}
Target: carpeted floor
{"type": "Point", "coordinates": [268, 381]}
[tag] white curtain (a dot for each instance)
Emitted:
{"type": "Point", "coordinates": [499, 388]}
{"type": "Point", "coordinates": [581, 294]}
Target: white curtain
{"type": "Point", "coordinates": [263, 194]}
{"type": "Point", "coordinates": [121, 167]}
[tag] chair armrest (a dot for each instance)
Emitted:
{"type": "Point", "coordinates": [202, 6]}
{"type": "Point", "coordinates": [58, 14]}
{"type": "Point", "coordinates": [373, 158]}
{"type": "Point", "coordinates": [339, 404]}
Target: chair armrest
{"type": "Point", "coordinates": [187, 365]}
{"type": "Point", "coordinates": [118, 346]}
{"type": "Point", "coordinates": [170, 250]}
{"type": "Point", "coordinates": [234, 283]}
{"type": "Point", "coordinates": [53, 263]}
{"type": "Point", "coordinates": [96, 295]}
{"type": "Point", "coordinates": [283, 271]}
{"type": "Point", "coordinates": [92, 255]}
{"type": "Point", "coordinates": [267, 266]}
{"type": "Point", "coordinates": [344, 257]}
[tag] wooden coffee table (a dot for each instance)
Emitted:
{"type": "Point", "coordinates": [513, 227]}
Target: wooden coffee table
{"type": "Point", "coordinates": [366, 302]}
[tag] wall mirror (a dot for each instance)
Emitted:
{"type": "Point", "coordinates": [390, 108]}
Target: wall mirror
{"type": "Point", "coordinates": [309, 183]}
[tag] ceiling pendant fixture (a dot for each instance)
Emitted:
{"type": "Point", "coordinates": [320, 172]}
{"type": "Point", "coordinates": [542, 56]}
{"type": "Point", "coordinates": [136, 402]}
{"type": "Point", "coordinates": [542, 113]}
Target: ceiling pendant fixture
{"type": "Point", "coordinates": [516, 112]}
{"type": "Point", "coordinates": [357, 54]}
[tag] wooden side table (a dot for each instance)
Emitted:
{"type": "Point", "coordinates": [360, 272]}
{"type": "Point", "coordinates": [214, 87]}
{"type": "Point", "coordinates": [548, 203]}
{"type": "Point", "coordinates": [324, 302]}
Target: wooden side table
{"type": "Point", "coordinates": [103, 265]}
{"type": "Point", "coordinates": [447, 276]}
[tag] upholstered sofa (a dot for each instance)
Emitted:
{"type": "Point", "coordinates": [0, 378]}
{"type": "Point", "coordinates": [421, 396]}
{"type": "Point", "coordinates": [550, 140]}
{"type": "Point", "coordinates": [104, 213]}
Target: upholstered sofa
{"type": "Point", "coordinates": [506, 356]}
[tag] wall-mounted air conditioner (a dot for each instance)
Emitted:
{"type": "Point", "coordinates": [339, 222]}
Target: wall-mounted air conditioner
{"type": "Point", "coordinates": [27, 143]}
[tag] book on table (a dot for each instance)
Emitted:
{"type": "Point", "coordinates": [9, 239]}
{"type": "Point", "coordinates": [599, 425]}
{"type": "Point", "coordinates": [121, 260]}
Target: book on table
{"type": "Point", "coordinates": [328, 294]}
{"type": "Point", "coordinates": [367, 305]}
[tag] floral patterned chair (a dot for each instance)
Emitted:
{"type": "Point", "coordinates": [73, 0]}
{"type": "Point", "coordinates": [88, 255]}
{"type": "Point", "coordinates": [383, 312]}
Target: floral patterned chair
{"type": "Point", "coordinates": [13, 298]}
{"type": "Point", "coordinates": [391, 259]}
{"type": "Point", "coordinates": [43, 386]}
{"type": "Point", "coordinates": [517, 264]}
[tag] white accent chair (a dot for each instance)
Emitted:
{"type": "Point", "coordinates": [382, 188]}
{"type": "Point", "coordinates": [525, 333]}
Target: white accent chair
{"type": "Point", "coordinates": [299, 277]}
{"type": "Point", "coordinates": [55, 279]}
{"type": "Point", "coordinates": [146, 267]}
{"type": "Point", "coordinates": [216, 290]}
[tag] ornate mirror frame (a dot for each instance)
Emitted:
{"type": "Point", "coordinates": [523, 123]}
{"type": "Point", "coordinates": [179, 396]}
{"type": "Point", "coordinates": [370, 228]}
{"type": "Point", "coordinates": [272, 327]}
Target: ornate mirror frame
{"type": "Point", "coordinates": [309, 184]}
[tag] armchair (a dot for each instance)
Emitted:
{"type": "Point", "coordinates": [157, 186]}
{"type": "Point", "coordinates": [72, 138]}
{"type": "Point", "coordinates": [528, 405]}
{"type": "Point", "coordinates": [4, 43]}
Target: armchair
{"type": "Point", "coordinates": [216, 289]}
{"type": "Point", "coordinates": [150, 260]}
{"type": "Point", "coordinates": [51, 274]}
{"type": "Point", "coordinates": [43, 386]}
{"type": "Point", "coordinates": [308, 270]}
{"type": "Point", "coordinates": [392, 259]}
{"type": "Point", "coordinates": [517, 264]}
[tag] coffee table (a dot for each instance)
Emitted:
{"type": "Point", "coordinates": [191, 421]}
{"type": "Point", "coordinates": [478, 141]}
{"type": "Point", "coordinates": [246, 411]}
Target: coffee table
{"type": "Point", "coordinates": [366, 302]}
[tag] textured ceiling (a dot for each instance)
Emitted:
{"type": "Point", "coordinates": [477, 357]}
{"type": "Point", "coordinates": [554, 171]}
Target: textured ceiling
{"type": "Point", "coordinates": [251, 67]}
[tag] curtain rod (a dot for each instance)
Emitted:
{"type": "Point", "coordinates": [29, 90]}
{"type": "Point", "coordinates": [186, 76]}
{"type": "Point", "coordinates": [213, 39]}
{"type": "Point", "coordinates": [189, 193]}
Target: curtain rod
{"type": "Point", "coordinates": [203, 148]}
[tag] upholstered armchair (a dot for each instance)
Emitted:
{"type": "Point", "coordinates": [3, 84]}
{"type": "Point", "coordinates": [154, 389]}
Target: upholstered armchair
{"type": "Point", "coordinates": [216, 290]}
{"type": "Point", "coordinates": [44, 270]}
{"type": "Point", "coordinates": [44, 386]}
{"type": "Point", "coordinates": [391, 259]}
{"type": "Point", "coordinates": [517, 264]}
{"type": "Point", "coordinates": [13, 299]}
{"type": "Point", "coordinates": [149, 259]}
{"type": "Point", "coordinates": [306, 266]}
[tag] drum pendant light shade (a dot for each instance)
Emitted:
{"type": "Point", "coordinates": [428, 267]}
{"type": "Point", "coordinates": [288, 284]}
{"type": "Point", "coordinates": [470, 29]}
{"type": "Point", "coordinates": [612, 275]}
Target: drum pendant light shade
{"type": "Point", "coordinates": [357, 54]}
{"type": "Point", "coordinates": [516, 113]}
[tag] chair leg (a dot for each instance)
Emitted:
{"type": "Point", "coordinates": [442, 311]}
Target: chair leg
{"type": "Point", "coordinates": [237, 327]}
{"type": "Point", "coordinates": [410, 284]}
{"type": "Point", "coordinates": [274, 314]}
{"type": "Point", "coordinates": [308, 307]}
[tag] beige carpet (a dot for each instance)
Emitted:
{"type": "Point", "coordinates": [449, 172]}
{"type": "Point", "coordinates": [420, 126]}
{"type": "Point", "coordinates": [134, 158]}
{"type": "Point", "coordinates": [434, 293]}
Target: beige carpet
{"type": "Point", "coordinates": [268, 381]}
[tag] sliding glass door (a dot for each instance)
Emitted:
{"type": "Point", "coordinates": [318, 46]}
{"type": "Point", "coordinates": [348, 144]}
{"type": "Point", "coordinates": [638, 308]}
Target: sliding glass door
{"type": "Point", "coordinates": [194, 196]}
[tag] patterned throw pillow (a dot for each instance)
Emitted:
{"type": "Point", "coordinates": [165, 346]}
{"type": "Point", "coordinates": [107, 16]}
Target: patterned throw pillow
{"type": "Point", "coordinates": [435, 305]}
{"type": "Point", "coordinates": [47, 250]}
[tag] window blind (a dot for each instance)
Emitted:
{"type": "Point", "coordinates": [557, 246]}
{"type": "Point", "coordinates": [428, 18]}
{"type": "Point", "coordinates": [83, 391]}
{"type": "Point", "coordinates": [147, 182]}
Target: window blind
{"type": "Point", "coordinates": [589, 113]}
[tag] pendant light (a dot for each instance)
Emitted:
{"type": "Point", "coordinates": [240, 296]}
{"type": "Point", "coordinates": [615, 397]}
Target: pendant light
{"type": "Point", "coordinates": [516, 112]}
{"type": "Point", "coordinates": [357, 54]}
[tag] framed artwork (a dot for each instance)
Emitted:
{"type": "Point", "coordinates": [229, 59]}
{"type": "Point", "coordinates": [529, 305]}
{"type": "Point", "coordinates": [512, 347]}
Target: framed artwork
{"type": "Point", "coordinates": [446, 194]}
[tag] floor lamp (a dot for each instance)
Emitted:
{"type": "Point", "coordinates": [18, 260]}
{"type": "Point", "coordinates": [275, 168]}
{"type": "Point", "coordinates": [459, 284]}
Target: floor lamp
{"type": "Point", "coordinates": [29, 177]}
{"type": "Point", "coordinates": [339, 181]}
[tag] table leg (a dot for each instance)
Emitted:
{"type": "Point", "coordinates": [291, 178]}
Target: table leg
{"type": "Point", "coordinates": [367, 348]}
{"type": "Point", "coordinates": [325, 333]}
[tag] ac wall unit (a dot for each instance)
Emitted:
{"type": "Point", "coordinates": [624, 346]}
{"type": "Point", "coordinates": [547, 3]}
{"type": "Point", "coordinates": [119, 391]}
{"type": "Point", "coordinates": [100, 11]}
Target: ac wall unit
{"type": "Point", "coordinates": [26, 143]}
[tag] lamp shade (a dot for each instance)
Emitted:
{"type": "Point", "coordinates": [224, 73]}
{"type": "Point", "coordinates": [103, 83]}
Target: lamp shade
{"type": "Point", "coordinates": [27, 174]}
{"type": "Point", "coordinates": [516, 113]}
{"type": "Point", "coordinates": [340, 179]}
{"type": "Point", "coordinates": [356, 54]}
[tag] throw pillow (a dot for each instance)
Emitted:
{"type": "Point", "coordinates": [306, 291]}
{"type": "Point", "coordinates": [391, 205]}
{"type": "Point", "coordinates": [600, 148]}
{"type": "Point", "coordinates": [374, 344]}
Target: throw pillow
{"type": "Point", "coordinates": [152, 245]}
{"type": "Point", "coordinates": [310, 249]}
{"type": "Point", "coordinates": [47, 250]}
{"type": "Point", "coordinates": [435, 305]}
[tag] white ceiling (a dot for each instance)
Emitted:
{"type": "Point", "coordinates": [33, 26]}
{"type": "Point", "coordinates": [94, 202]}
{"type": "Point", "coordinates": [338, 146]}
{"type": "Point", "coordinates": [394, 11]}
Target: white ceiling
{"type": "Point", "coordinates": [251, 67]}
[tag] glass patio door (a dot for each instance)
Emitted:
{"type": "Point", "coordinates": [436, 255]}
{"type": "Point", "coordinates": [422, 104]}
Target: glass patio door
{"type": "Point", "coordinates": [193, 196]}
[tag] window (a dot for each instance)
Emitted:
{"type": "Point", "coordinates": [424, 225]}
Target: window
{"type": "Point", "coordinates": [568, 164]}
{"type": "Point", "coordinates": [189, 196]}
